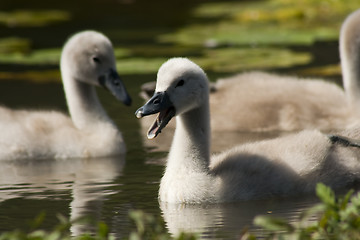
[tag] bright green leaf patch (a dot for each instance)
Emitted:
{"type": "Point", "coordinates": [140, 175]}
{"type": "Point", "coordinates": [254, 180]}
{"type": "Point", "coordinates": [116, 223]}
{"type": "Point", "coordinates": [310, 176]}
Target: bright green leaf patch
{"type": "Point", "coordinates": [240, 59]}
{"type": "Point", "coordinates": [273, 224]}
{"type": "Point", "coordinates": [38, 57]}
{"type": "Point", "coordinates": [17, 51]}
{"type": "Point", "coordinates": [14, 45]}
{"type": "Point", "coordinates": [264, 22]}
{"type": "Point", "coordinates": [216, 60]}
{"type": "Point", "coordinates": [336, 218]}
{"type": "Point", "coordinates": [222, 60]}
{"type": "Point", "coordinates": [34, 76]}
{"type": "Point", "coordinates": [230, 33]}
{"type": "Point", "coordinates": [27, 18]}
{"type": "Point", "coordinates": [162, 51]}
{"type": "Point", "coordinates": [328, 70]}
{"type": "Point", "coordinates": [122, 52]}
{"type": "Point", "coordinates": [139, 65]}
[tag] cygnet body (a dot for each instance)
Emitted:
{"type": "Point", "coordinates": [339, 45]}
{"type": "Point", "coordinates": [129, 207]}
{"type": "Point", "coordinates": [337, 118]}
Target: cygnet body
{"type": "Point", "coordinates": [283, 166]}
{"type": "Point", "coordinates": [87, 60]}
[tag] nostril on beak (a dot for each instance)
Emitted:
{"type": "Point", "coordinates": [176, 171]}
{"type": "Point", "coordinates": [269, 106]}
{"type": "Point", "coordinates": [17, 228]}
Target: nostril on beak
{"type": "Point", "coordinates": [116, 83]}
{"type": "Point", "coordinates": [156, 101]}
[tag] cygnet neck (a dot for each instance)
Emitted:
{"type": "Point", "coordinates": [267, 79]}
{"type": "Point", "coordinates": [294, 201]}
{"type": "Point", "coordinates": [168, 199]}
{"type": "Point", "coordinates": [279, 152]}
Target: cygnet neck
{"type": "Point", "coordinates": [350, 59]}
{"type": "Point", "coordinates": [84, 106]}
{"type": "Point", "coordinates": [191, 144]}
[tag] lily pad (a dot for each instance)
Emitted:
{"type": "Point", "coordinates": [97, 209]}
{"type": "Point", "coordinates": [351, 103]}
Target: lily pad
{"type": "Point", "coordinates": [234, 60]}
{"type": "Point", "coordinates": [17, 51]}
{"type": "Point", "coordinates": [263, 22]}
{"type": "Point", "coordinates": [328, 70]}
{"type": "Point", "coordinates": [223, 60]}
{"type": "Point", "coordinates": [139, 65]}
{"type": "Point", "coordinates": [228, 33]}
{"type": "Point", "coordinates": [38, 57]}
{"type": "Point", "coordinates": [34, 76]}
{"type": "Point", "coordinates": [14, 45]}
{"type": "Point", "coordinates": [162, 51]}
{"type": "Point", "coordinates": [217, 60]}
{"type": "Point", "coordinates": [27, 18]}
{"type": "Point", "coordinates": [122, 52]}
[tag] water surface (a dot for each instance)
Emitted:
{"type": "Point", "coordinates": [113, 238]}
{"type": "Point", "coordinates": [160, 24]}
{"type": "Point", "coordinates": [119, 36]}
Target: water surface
{"type": "Point", "coordinates": [107, 188]}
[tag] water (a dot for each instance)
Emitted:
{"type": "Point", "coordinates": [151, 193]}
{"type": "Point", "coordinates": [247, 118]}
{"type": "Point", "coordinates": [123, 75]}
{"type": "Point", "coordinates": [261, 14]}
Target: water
{"type": "Point", "coordinates": [106, 189]}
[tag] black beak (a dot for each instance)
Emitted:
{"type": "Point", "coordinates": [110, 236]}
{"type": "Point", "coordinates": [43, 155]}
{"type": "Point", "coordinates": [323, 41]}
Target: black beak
{"type": "Point", "coordinates": [114, 84]}
{"type": "Point", "coordinates": [159, 102]}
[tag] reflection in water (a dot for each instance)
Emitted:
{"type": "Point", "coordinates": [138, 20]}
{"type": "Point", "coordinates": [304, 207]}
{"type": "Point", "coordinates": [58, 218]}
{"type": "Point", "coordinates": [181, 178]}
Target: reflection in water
{"type": "Point", "coordinates": [227, 220]}
{"type": "Point", "coordinates": [89, 180]}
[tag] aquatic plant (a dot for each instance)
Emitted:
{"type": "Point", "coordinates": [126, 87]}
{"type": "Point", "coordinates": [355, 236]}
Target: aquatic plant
{"type": "Point", "coordinates": [280, 22]}
{"type": "Point", "coordinates": [31, 18]}
{"type": "Point", "coordinates": [337, 218]}
{"type": "Point", "coordinates": [223, 37]}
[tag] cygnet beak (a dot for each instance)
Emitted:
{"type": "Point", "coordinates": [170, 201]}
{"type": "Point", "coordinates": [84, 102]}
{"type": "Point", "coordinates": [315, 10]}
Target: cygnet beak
{"type": "Point", "coordinates": [159, 103]}
{"type": "Point", "coordinates": [115, 85]}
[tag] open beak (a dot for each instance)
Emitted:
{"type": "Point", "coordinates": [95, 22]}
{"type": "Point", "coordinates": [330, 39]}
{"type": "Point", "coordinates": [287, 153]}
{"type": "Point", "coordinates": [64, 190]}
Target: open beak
{"type": "Point", "coordinates": [159, 103]}
{"type": "Point", "coordinates": [112, 82]}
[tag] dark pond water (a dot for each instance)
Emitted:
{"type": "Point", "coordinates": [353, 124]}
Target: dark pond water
{"type": "Point", "coordinates": [106, 189]}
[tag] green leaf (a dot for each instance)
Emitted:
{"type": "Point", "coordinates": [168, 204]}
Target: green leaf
{"type": "Point", "coordinates": [318, 208]}
{"type": "Point", "coordinates": [273, 224]}
{"type": "Point", "coordinates": [31, 18]}
{"type": "Point", "coordinates": [103, 230]}
{"type": "Point", "coordinates": [134, 236]}
{"type": "Point", "coordinates": [325, 194]}
{"type": "Point", "coordinates": [263, 22]}
{"type": "Point", "coordinates": [42, 56]}
{"type": "Point", "coordinates": [345, 200]}
{"type": "Point", "coordinates": [14, 45]}
{"type": "Point", "coordinates": [38, 220]}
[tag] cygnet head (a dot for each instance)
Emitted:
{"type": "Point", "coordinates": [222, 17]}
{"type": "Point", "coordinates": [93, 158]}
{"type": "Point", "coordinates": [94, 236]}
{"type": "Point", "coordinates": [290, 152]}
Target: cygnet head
{"type": "Point", "coordinates": [181, 86]}
{"type": "Point", "coordinates": [88, 57]}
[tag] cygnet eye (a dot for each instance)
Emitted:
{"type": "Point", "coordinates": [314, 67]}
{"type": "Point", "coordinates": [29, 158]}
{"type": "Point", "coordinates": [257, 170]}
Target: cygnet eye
{"type": "Point", "coordinates": [96, 60]}
{"type": "Point", "coordinates": [180, 83]}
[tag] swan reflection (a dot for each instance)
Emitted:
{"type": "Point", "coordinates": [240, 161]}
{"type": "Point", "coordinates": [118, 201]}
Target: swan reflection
{"type": "Point", "coordinates": [216, 220]}
{"type": "Point", "coordinates": [89, 180]}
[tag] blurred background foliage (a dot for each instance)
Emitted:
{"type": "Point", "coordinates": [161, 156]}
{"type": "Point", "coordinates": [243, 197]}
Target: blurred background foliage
{"type": "Point", "coordinates": [221, 36]}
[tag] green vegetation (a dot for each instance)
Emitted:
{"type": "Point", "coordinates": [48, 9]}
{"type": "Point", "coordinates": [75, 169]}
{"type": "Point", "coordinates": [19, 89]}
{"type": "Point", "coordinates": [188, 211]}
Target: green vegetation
{"type": "Point", "coordinates": [60, 232]}
{"type": "Point", "coordinates": [38, 57]}
{"type": "Point", "coordinates": [34, 76]}
{"type": "Point", "coordinates": [265, 22]}
{"type": "Point", "coordinates": [220, 36]}
{"type": "Point", "coordinates": [337, 218]}
{"type": "Point", "coordinates": [14, 45]}
{"type": "Point", "coordinates": [148, 227]}
{"type": "Point", "coordinates": [26, 18]}
{"type": "Point", "coordinates": [217, 60]}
